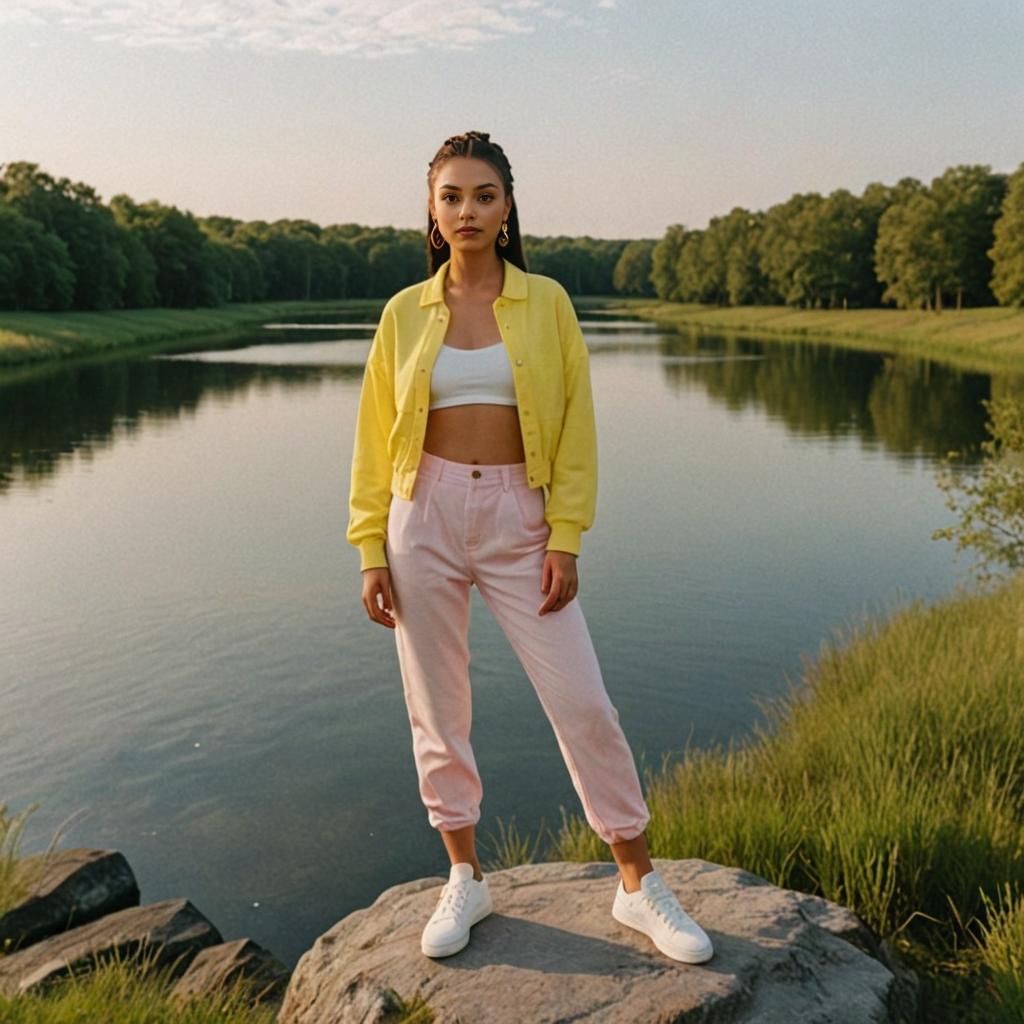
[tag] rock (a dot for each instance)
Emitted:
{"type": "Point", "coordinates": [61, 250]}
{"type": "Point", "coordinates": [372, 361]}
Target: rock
{"type": "Point", "coordinates": [171, 929]}
{"type": "Point", "coordinates": [217, 968]}
{"type": "Point", "coordinates": [552, 952]}
{"type": "Point", "coordinates": [66, 889]}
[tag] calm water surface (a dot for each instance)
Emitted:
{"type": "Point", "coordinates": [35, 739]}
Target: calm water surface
{"type": "Point", "coordinates": [187, 673]}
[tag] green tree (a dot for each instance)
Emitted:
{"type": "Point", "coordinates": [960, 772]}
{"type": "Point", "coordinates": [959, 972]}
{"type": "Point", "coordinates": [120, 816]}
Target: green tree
{"type": "Point", "coordinates": [179, 249]}
{"type": "Point", "coordinates": [745, 282]}
{"type": "Point", "coordinates": [913, 255]}
{"type": "Point", "coordinates": [990, 499]}
{"type": "Point", "coordinates": [36, 271]}
{"type": "Point", "coordinates": [789, 254]}
{"type": "Point", "coordinates": [970, 197]}
{"type": "Point", "coordinates": [1007, 252]}
{"type": "Point", "coordinates": [663, 263]}
{"type": "Point", "coordinates": [74, 213]}
{"type": "Point", "coordinates": [632, 274]}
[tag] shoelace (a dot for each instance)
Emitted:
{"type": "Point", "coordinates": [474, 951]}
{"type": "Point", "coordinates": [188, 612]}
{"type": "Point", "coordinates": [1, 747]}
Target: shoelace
{"type": "Point", "coordinates": [452, 900]}
{"type": "Point", "coordinates": [667, 906]}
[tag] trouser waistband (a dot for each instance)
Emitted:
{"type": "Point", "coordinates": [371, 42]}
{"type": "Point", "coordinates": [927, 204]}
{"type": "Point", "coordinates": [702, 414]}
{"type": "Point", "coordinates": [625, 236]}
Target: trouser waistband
{"type": "Point", "coordinates": [472, 473]}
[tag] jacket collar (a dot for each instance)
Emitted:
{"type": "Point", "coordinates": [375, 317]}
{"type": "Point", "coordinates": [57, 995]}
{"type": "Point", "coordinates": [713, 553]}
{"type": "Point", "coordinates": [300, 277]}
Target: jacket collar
{"type": "Point", "coordinates": [514, 286]}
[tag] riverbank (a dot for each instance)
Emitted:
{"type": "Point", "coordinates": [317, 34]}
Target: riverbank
{"type": "Point", "coordinates": [985, 339]}
{"type": "Point", "coordinates": [891, 781]}
{"type": "Point", "coordinates": [32, 338]}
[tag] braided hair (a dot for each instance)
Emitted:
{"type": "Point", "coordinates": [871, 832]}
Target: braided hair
{"type": "Point", "coordinates": [480, 146]}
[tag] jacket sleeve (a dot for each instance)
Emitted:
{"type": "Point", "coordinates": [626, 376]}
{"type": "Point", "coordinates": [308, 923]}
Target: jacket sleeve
{"type": "Point", "coordinates": [370, 490]}
{"type": "Point", "coordinates": [572, 497]}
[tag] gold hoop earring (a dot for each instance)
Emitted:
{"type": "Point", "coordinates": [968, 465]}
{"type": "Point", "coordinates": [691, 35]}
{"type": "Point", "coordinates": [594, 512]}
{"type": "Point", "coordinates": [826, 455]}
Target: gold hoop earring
{"type": "Point", "coordinates": [436, 245]}
{"type": "Point", "coordinates": [504, 240]}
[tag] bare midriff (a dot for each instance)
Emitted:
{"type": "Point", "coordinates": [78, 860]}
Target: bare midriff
{"type": "Point", "coordinates": [484, 433]}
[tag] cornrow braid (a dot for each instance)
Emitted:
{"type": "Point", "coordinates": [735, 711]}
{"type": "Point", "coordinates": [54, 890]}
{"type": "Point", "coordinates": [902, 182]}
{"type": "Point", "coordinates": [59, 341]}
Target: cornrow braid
{"type": "Point", "coordinates": [480, 146]}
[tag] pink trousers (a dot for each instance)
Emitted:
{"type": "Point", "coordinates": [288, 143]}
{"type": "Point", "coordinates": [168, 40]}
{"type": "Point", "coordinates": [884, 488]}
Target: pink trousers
{"type": "Point", "coordinates": [482, 524]}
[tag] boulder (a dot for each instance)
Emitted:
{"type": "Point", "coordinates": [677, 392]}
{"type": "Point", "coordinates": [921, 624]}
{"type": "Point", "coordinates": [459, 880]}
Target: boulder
{"type": "Point", "coordinates": [218, 967]}
{"type": "Point", "coordinates": [172, 930]}
{"type": "Point", "coordinates": [552, 952]}
{"type": "Point", "coordinates": [65, 889]}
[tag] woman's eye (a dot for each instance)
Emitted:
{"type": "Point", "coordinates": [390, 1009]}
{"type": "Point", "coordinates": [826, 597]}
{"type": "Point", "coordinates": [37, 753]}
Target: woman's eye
{"type": "Point", "coordinates": [452, 195]}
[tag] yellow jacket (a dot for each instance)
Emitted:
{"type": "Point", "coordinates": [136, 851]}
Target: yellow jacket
{"type": "Point", "coordinates": [551, 371]}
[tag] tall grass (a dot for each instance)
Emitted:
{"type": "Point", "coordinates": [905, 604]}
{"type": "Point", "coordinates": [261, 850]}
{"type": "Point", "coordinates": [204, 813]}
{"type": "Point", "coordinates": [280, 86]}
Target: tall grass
{"type": "Point", "coordinates": [131, 990]}
{"type": "Point", "coordinates": [1003, 954]}
{"type": "Point", "coordinates": [18, 876]}
{"type": "Point", "coordinates": [890, 780]}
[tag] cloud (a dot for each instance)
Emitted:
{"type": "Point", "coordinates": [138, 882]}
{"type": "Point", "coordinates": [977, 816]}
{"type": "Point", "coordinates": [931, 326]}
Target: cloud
{"type": "Point", "coordinates": [364, 28]}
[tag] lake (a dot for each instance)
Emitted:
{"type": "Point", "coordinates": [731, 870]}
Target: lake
{"type": "Point", "coordinates": [187, 673]}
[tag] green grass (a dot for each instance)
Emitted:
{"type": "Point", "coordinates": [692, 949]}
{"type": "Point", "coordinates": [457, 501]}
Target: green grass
{"type": "Point", "coordinates": [37, 337]}
{"type": "Point", "coordinates": [983, 339]}
{"type": "Point", "coordinates": [125, 990]}
{"type": "Point", "coordinates": [890, 779]}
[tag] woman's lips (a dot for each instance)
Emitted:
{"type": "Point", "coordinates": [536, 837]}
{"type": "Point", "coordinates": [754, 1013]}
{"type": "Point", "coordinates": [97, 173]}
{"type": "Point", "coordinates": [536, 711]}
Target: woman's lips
{"type": "Point", "coordinates": [468, 231]}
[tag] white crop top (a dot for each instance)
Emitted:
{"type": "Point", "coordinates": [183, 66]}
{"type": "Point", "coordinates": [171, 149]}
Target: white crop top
{"type": "Point", "coordinates": [464, 375]}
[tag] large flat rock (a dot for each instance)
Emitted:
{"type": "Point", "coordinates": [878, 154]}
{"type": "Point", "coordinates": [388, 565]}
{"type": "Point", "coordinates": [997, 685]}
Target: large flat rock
{"type": "Point", "coordinates": [65, 889]}
{"type": "Point", "coordinates": [172, 930]}
{"type": "Point", "coordinates": [552, 952]}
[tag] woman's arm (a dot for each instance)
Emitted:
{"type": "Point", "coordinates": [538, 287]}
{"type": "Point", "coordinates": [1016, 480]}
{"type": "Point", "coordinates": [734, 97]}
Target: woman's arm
{"type": "Point", "coordinates": [370, 491]}
{"type": "Point", "coordinates": [572, 497]}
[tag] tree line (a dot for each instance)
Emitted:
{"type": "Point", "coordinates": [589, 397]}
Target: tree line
{"type": "Point", "coordinates": [959, 241]}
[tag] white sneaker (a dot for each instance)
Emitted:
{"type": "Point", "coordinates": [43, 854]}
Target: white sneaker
{"type": "Point", "coordinates": [654, 910]}
{"type": "Point", "coordinates": [463, 902]}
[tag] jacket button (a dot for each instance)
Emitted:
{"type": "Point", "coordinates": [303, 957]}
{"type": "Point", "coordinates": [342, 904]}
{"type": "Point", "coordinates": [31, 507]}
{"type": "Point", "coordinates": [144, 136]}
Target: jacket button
{"type": "Point", "coordinates": [519, 362]}
{"type": "Point", "coordinates": [526, 412]}
{"type": "Point", "coordinates": [423, 369]}
{"type": "Point", "coordinates": [532, 453]}
{"type": "Point", "coordinates": [421, 408]}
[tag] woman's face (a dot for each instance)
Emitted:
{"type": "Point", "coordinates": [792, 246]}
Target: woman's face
{"type": "Point", "coordinates": [468, 193]}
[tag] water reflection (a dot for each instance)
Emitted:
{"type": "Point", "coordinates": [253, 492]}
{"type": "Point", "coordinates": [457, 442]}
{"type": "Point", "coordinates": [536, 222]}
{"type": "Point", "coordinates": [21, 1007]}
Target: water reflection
{"type": "Point", "coordinates": [907, 406]}
{"type": "Point", "coordinates": [186, 659]}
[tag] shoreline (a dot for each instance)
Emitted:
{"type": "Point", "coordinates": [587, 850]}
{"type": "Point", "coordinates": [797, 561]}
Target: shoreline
{"type": "Point", "coordinates": [985, 339]}
{"type": "Point", "coordinates": [44, 339]}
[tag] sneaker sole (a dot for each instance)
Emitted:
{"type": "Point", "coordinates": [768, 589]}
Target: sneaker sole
{"type": "Point", "coordinates": [447, 949]}
{"type": "Point", "coordinates": [699, 956]}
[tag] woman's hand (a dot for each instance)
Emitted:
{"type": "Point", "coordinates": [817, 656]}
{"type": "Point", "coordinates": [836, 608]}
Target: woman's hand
{"type": "Point", "coordinates": [378, 582]}
{"type": "Point", "coordinates": [558, 580]}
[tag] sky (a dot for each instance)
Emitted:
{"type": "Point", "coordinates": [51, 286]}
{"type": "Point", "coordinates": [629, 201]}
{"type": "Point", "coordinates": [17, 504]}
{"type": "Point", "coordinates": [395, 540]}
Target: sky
{"type": "Point", "coordinates": [619, 117]}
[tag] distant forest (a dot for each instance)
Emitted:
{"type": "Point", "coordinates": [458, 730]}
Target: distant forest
{"type": "Point", "coordinates": [956, 242]}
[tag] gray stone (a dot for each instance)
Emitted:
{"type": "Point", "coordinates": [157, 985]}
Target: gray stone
{"type": "Point", "coordinates": [66, 889]}
{"type": "Point", "coordinates": [218, 967]}
{"type": "Point", "coordinates": [551, 952]}
{"type": "Point", "coordinates": [165, 931]}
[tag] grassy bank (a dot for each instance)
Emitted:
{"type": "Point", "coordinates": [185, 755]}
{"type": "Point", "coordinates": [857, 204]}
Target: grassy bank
{"type": "Point", "coordinates": [891, 780]}
{"type": "Point", "coordinates": [36, 337]}
{"type": "Point", "coordinates": [986, 339]}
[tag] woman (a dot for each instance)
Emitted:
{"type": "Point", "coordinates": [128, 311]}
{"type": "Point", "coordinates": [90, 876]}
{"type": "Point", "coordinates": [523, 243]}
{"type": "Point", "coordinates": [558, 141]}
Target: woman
{"type": "Point", "coordinates": [476, 396]}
